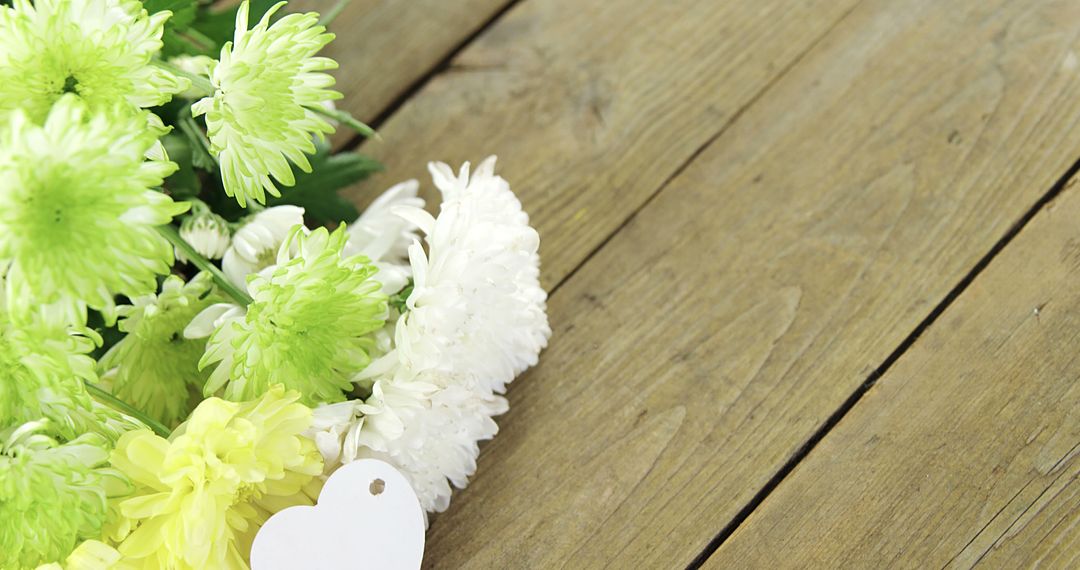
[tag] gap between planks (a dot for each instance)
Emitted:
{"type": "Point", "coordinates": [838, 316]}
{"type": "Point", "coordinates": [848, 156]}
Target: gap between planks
{"type": "Point", "coordinates": [701, 149]}
{"type": "Point", "coordinates": [1064, 181]}
{"type": "Point", "coordinates": [834, 419]}
{"type": "Point", "coordinates": [424, 78]}
{"type": "Point", "coordinates": [962, 277]}
{"type": "Point", "coordinates": [445, 64]}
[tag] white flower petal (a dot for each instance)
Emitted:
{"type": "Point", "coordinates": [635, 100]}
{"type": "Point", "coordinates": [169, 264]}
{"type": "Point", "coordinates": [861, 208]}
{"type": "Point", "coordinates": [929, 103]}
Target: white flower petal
{"type": "Point", "coordinates": [204, 324]}
{"type": "Point", "coordinates": [477, 318]}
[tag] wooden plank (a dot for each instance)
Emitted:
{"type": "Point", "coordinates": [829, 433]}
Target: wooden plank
{"type": "Point", "coordinates": [967, 450]}
{"type": "Point", "coordinates": [699, 348]}
{"type": "Point", "coordinates": [385, 46]}
{"type": "Point", "coordinates": [1046, 534]}
{"type": "Point", "coordinates": [593, 104]}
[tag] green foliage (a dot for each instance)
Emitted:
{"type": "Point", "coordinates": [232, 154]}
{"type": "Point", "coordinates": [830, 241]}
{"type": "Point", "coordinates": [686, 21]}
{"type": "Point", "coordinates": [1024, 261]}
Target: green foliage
{"type": "Point", "coordinates": [183, 11]}
{"type": "Point", "coordinates": [184, 183]}
{"type": "Point", "coordinates": [196, 142]}
{"type": "Point", "coordinates": [219, 25]}
{"type": "Point", "coordinates": [399, 301]}
{"type": "Point", "coordinates": [184, 14]}
{"type": "Point", "coordinates": [317, 191]}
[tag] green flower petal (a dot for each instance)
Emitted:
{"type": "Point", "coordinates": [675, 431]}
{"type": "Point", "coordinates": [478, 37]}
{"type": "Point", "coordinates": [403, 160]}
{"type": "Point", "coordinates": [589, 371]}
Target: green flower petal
{"type": "Point", "coordinates": [52, 495]}
{"type": "Point", "coordinates": [77, 209]}
{"type": "Point", "coordinates": [257, 118]}
{"type": "Point", "coordinates": [98, 50]}
{"type": "Point", "coordinates": [154, 367]}
{"type": "Point", "coordinates": [308, 327]}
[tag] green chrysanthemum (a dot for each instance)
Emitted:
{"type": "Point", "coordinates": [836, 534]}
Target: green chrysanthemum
{"type": "Point", "coordinates": [43, 367]}
{"type": "Point", "coordinates": [257, 117]}
{"type": "Point", "coordinates": [154, 367]}
{"type": "Point", "coordinates": [307, 328]}
{"type": "Point", "coordinates": [77, 213]}
{"type": "Point", "coordinates": [52, 495]}
{"type": "Point", "coordinates": [100, 50]}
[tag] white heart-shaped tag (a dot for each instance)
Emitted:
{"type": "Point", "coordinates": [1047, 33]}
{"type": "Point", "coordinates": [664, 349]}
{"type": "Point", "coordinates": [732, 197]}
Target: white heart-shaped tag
{"type": "Point", "coordinates": [368, 516]}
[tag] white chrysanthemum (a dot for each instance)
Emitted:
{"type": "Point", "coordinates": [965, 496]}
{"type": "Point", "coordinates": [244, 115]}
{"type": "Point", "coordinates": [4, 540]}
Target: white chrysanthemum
{"type": "Point", "coordinates": [477, 289]}
{"type": "Point", "coordinates": [339, 429]}
{"type": "Point", "coordinates": [476, 319]}
{"type": "Point", "coordinates": [206, 232]}
{"type": "Point", "coordinates": [384, 237]}
{"type": "Point", "coordinates": [101, 50]}
{"type": "Point", "coordinates": [427, 427]}
{"type": "Point", "coordinates": [379, 233]}
{"type": "Point", "coordinates": [438, 444]}
{"type": "Point", "coordinates": [255, 245]}
{"type": "Point", "coordinates": [259, 115]}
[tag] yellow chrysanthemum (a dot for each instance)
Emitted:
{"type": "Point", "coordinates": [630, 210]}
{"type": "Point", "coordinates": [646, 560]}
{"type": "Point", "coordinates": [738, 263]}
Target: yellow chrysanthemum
{"type": "Point", "coordinates": [90, 555]}
{"type": "Point", "coordinates": [259, 114]}
{"type": "Point", "coordinates": [204, 493]}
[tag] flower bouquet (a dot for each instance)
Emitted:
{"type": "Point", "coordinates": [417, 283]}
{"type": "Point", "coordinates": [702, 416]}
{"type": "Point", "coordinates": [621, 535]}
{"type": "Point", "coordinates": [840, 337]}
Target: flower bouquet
{"type": "Point", "coordinates": [195, 329]}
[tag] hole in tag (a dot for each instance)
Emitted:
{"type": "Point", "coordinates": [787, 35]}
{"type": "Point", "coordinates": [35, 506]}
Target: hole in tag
{"type": "Point", "coordinates": [377, 487]}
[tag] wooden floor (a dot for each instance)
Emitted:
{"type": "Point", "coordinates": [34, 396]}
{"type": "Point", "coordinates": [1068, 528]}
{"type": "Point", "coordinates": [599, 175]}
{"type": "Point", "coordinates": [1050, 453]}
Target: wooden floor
{"type": "Point", "coordinates": [814, 270]}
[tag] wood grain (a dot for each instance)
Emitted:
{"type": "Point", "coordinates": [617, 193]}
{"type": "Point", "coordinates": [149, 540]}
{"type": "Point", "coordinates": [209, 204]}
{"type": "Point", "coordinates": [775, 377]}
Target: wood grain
{"type": "Point", "coordinates": [967, 450]}
{"type": "Point", "coordinates": [1046, 534]}
{"type": "Point", "coordinates": [593, 104]}
{"type": "Point", "coordinates": [701, 346]}
{"type": "Point", "coordinates": [385, 46]}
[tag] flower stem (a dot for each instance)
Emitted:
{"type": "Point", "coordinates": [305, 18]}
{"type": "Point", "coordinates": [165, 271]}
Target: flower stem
{"type": "Point", "coordinates": [331, 14]}
{"type": "Point", "coordinates": [170, 233]}
{"type": "Point", "coordinates": [198, 82]}
{"type": "Point", "coordinates": [202, 157]}
{"type": "Point", "coordinates": [127, 408]}
{"type": "Point", "coordinates": [201, 41]}
{"type": "Point", "coordinates": [343, 117]}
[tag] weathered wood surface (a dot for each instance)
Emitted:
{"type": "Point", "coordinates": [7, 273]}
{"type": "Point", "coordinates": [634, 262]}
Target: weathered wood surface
{"type": "Point", "coordinates": [592, 105]}
{"type": "Point", "coordinates": [385, 46]}
{"type": "Point", "coordinates": [701, 346]}
{"type": "Point", "coordinates": [968, 450]}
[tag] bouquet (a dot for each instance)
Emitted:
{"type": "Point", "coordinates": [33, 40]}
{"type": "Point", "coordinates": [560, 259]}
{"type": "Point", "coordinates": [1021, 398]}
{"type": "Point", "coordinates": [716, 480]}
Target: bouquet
{"type": "Point", "coordinates": [195, 329]}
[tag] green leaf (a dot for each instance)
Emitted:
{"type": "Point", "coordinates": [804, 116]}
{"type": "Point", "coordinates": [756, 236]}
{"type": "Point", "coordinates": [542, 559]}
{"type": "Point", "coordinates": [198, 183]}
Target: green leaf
{"type": "Point", "coordinates": [174, 41]}
{"type": "Point", "coordinates": [345, 118]}
{"type": "Point", "coordinates": [200, 150]}
{"type": "Point", "coordinates": [219, 25]}
{"type": "Point", "coordinates": [184, 183]}
{"type": "Point", "coordinates": [183, 11]}
{"type": "Point", "coordinates": [400, 299]}
{"type": "Point", "coordinates": [317, 191]}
